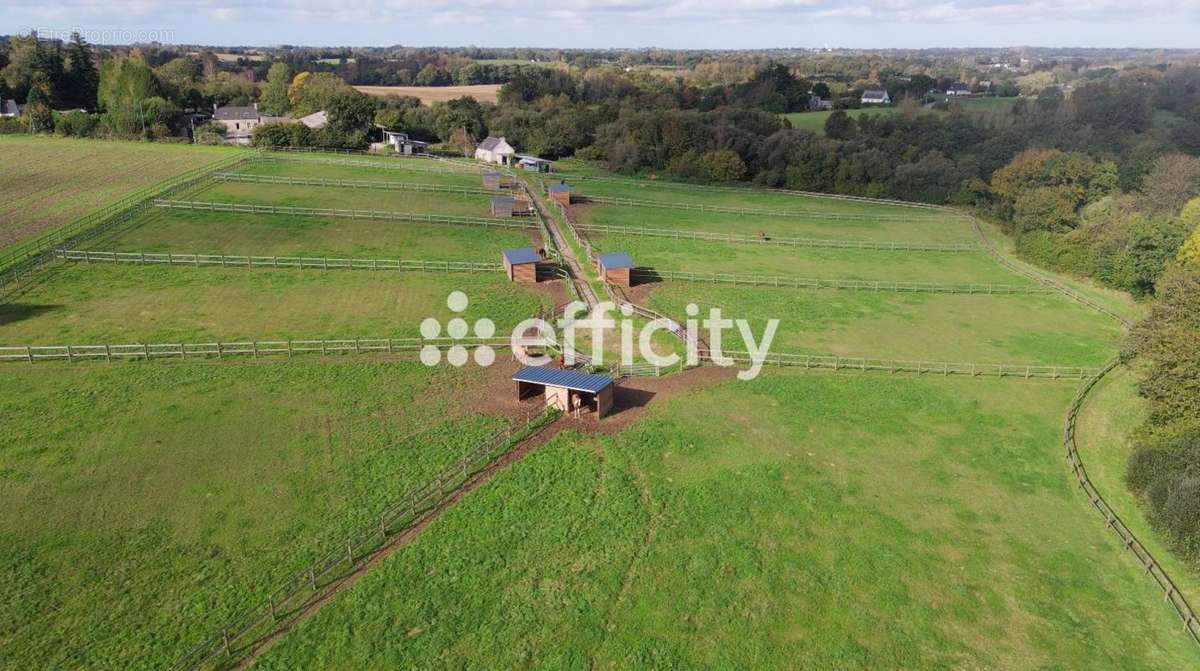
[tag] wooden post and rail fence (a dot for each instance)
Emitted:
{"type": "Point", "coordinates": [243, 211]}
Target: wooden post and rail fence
{"type": "Point", "coordinates": [282, 604]}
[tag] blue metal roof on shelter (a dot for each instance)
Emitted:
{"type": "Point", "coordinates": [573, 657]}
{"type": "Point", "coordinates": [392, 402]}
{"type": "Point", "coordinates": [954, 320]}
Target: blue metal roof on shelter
{"type": "Point", "coordinates": [613, 260]}
{"type": "Point", "coordinates": [522, 255]}
{"type": "Point", "coordinates": [559, 377]}
{"type": "Point", "coordinates": [555, 188]}
{"type": "Point", "coordinates": [502, 200]}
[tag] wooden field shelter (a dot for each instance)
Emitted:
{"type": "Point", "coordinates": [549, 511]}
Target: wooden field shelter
{"type": "Point", "coordinates": [520, 265]}
{"type": "Point", "coordinates": [502, 206]}
{"type": "Point", "coordinates": [574, 392]}
{"type": "Point", "coordinates": [491, 180]}
{"type": "Point", "coordinates": [615, 268]}
{"type": "Point", "coordinates": [560, 193]}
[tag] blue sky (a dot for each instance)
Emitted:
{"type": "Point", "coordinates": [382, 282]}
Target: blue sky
{"type": "Point", "coordinates": [623, 23]}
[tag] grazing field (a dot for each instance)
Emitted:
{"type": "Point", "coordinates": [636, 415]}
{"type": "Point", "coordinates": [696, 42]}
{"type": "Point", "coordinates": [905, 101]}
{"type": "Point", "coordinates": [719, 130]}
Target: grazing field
{"type": "Point", "coordinates": [931, 327]}
{"type": "Point", "coordinates": [484, 93]}
{"type": "Point", "coordinates": [1104, 438]}
{"type": "Point", "coordinates": [189, 231]}
{"type": "Point", "coordinates": [756, 259]}
{"type": "Point", "coordinates": [86, 304]}
{"type": "Point", "coordinates": [146, 504]}
{"type": "Point", "coordinates": [815, 121]}
{"type": "Point", "coordinates": [813, 521]}
{"type": "Point", "coordinates": [47, 182]}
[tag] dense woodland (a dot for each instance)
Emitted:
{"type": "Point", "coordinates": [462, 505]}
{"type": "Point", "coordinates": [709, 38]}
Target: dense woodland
{"type": "Point", "coordinates": [1092, 167]}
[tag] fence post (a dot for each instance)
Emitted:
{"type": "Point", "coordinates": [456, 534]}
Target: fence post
{"type": "Point", "coordinates": [29, 354]}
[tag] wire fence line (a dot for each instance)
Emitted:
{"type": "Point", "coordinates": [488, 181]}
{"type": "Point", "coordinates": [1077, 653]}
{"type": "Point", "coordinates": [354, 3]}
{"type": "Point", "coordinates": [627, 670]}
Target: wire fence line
{"type": "Point", "coordinates": [784, 282]}
{"type": "Point", "coordinates": [749, 211]}
{"type": "Point", "coordinates": [353, 184]}
{"type": "Point", "coordinates": [282, 605]}
{"type": "Point", "coordinates": [1112, 521]}
{"type": "Point", "coordinates": [386, 215]}
{"type": "Point", "coordinates": [295, 262]}
{"type": "Point", "coordinates": [21, 261]}
{"type": "Point", "coordinates": [831, 243]}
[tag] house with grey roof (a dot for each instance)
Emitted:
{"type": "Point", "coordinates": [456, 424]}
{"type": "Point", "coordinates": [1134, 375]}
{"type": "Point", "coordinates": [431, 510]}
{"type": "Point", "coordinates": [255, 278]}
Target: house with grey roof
{"type": "Point", "coordinates": [876, 97]}
{"type": "Point", "coordinates": [495, 150]}
{"type": "Point", "coordinates": [958, 89]}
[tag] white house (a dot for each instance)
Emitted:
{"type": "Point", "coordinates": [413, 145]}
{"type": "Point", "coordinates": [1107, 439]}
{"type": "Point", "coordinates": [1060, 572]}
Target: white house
{"type": "Point", "coordinates": [495, 150]}
{"type": "Point", "coordinates": [958, 89]}
{"type": "Point", "coordinates": [876, 97]}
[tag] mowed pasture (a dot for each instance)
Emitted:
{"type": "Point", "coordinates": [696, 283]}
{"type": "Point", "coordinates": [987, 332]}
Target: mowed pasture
{"type": "Point", "coordinates": [800, 520]}
{"type": "Point", "coordinates": [146, 504]}
{"type": "Point", "coordinates": [47, 182]}
{"type": "Point", "coordinates": [849, 520]}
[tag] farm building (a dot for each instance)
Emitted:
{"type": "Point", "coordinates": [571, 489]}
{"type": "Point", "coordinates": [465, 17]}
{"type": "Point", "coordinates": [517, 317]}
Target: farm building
{"type": "Point", "coordinates": [568, 390]}
{"type": "Point", "coordinates": [615, 268]}
{"type": "Point", "coordinates": [958, 89]}
{"type": "Point", "coordinates": [502, 206]}
{"type": "Point", "coordinates": [875, 97]}
{"type": "Point", "coordinates": [495, 150]}
{"type": "Point", "coordinates": [533, 163]}
{"type": "Point", "coordinates": [492, 180]}
{"type": "Point", "coordinates": [560, 193]}
{"type": "Point", "coordinates": [316, 120]}
{"type": "Point", "coordinates": [521, 265]}
{"type": "Point", "coordinates": [401, 143]}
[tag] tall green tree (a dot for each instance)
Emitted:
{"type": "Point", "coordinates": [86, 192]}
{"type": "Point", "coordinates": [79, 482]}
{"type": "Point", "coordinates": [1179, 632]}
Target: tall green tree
{"type": "Point", "coordinates": [82, 76]}
{"type": "Point", "coordinates": [274, 100]}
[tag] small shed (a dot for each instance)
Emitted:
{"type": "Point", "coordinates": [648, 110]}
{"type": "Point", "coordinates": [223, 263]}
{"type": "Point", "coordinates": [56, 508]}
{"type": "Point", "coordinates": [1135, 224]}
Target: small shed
{"type": "Point", "coordinates": [491, 179]}
{"type": "Point", "coordinates": [521, 265]}
{"type": "Point", "coordinates": [561, 387]}
{"type": "Point", "coordinates": [502, 206]}
{"type": "Point", "coordinates": [615, 268]}
{"type": "Point", "coordinates": [560, 193]}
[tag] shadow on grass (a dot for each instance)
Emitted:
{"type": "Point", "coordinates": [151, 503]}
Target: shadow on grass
{"type": "Point", "coordinates": [626, 398]}
{"type": "Point", "coordinates": [11, 313]}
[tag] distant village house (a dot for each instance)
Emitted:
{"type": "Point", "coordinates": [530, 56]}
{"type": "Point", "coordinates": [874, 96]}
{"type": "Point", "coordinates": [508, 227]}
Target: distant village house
{"type": "Point", "coordinates": [958, 89]}
{"type": "Point", "coordinates": [876, 97]}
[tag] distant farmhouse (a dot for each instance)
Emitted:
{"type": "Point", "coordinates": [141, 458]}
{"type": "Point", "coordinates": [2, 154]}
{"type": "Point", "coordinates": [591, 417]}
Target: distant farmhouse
{"type": "Point", "coordinates": [816, 103]}
{"type": "Point", "coordinates": [958, 89]}
{"type": "Point", "coordinates": [876, 97]}
{"type": "Point", "coordinates": [240, 122]}
{"type": "Point", "coordinates": [495, 150]}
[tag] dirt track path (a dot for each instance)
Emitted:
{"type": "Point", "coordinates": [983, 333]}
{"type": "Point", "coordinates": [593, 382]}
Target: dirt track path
{"type": "Point", "coordinates": [578, 275]}
{"type": "Point", "coordinates": [532, 442]}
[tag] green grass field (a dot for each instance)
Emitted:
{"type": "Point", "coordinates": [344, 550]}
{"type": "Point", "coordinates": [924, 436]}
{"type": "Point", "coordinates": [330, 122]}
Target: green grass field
{"type": "Point", "coordinates": [47, 182]}
{"type": "Point", "coordinates": [81, 304]}
{"type": "Point", "coordinates": [930, 327]}
{"type": "Point", "coordinates": [755, 259]}
{"type": "Point", "coordinates": [815, 121]}
{"type": "Point", "coordinates": [811, 520]}
{"type": "Point", "coordinates": [146, 504]}
{"type": "Point", "coordinates": [188, 231]}
{"type": "Point", "coordinates": [799, 521]}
